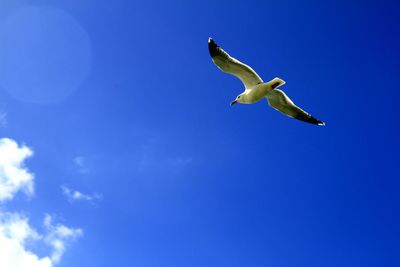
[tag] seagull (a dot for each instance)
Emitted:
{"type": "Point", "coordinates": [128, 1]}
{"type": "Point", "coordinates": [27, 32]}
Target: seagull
{"type": "Point", "coordinates": [255, 88]}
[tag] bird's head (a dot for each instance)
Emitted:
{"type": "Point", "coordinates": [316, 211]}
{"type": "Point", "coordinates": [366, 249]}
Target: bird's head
{"type": "Point", "coordinates": [239, 99]}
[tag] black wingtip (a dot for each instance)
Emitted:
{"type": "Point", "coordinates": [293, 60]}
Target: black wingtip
{"type": "Point", "coordinates": [212, 47]}
{"type": "Point", "coordinates": [311, 119]}
{"type": "Point", "coordinates": [316, 121]}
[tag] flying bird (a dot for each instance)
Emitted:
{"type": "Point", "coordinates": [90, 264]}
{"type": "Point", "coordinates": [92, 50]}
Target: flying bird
{"type": "Point", "coordinates": [255, 88]}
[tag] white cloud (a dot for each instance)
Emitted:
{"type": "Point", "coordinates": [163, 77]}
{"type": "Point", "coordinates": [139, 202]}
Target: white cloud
{"type": "Point", "coordinates": [17, 237]}
{"type": "Point", "coordinates": [13, 175]}
{"type": "Point", "coordinates": [74, 195]}
{"type": "Point", "coordinates": [16, 233]}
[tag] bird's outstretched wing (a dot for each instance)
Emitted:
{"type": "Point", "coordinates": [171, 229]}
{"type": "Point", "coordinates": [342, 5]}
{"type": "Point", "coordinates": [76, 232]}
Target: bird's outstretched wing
{"type": "Point", "coordinates": [233, 66]}
{"type": "Point", "coordinates": [281, 102]}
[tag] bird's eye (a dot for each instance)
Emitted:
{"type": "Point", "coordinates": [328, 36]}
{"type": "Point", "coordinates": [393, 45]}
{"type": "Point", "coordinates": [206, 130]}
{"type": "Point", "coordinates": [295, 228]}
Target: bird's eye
{"type": "Point", "coordinates": [238, 97]}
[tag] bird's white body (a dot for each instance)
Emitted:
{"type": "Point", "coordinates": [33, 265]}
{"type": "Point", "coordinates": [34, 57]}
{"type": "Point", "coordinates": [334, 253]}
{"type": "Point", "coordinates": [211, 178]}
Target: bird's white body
{"type": "Point", "coordinates": [254, 93]}
{"type": "Point", "coordinates": [259, 91]}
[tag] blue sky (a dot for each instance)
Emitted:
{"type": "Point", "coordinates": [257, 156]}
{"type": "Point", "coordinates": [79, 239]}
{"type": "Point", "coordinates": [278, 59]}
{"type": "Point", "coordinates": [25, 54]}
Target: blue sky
{"type": "Point", "coordinates": [120, 124]}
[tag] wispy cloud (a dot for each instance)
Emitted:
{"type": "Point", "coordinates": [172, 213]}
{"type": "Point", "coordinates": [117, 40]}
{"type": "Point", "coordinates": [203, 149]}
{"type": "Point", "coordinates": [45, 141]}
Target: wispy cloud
{"type": "Point", "coordinates": [3, 119]}
{"type": "Point", "coordinates": [15, 230]}
{"type": "Point", "coordinates": [179, 161]}
{"type": "Point", "coordinates": [58, 236]}
{"type": "Point", "coordinates": [80, 163]}
{"type": "Point", "coordinates": [74, 195]}
{"type": "Point", "coordinates": [152, 157]}
{"type": "Point", "coordinates": [14, 176]}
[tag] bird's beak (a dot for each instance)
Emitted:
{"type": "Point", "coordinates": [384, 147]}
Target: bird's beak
{"type": "Point", "coordinates": [233, 102]}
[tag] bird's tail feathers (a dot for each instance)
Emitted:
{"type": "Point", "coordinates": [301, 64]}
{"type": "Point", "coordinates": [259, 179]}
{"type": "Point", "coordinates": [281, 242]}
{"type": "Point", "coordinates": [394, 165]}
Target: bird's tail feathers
{"type": "Point", "coordinates": [276, 82]}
